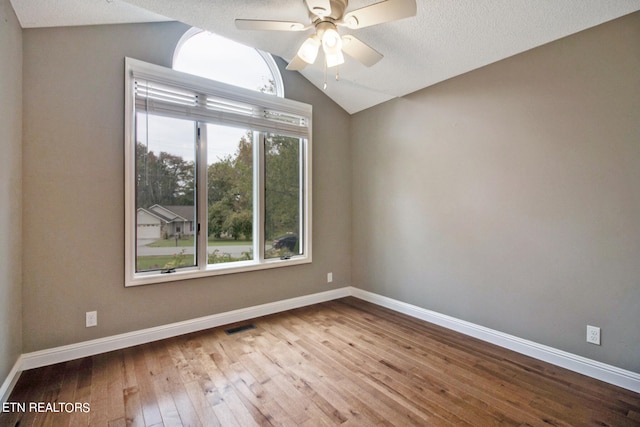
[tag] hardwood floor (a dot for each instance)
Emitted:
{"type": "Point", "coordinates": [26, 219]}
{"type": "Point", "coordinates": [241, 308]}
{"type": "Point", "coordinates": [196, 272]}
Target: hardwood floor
{"type": "Point", "coordinates": [344, 362]}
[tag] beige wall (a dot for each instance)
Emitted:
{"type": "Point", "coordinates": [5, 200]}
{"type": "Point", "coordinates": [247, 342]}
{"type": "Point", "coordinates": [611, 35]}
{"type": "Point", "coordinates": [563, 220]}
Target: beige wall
{"type": "Point", "coordinates": [73, 194]}
{"type": "Point", "coordinates": [10, 189]}
{"type": "Point", "coordinates": [507, 197]}
{"type": "Point", "coordinates": [510, 196]}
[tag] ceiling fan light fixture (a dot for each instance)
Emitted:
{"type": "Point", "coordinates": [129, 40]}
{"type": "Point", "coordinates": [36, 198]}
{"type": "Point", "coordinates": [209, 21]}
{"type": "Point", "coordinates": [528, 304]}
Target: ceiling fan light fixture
{"type": "Point", "coordinates": [308, 52]}
{"type": "Point", "coordinates": [332, 46]}
{"type": "Point", "coordinates": [331, 40]}
{"type": "Point", "coordinates": [334, 59]}
{"type": "Point", "coordinates": [326, 16]}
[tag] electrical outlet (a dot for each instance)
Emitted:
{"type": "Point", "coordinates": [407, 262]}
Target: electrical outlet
{"type": "Point", "coordinates": [593, 335]}
{"type": "Point", "coordinates": [91, 319]}
{"type": "Point", "coordinates": [329, 277]}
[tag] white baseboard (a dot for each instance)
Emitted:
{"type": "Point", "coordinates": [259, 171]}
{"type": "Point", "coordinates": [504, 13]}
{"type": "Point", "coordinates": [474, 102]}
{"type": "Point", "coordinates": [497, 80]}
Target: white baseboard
{"type": "Point", "coordinates": [601, 371]}
{"type": "Point", "coordinates": [11, 380]}
{"type": "Point", "coordinates": [130, 339]}
{"type": "Point", "coordinates": [65, 353]}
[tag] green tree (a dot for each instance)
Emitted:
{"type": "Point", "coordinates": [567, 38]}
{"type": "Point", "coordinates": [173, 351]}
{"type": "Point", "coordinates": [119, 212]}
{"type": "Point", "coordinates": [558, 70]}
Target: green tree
{"type": "Point", "coordinates": [168, 179]}
{"type": "Point", "coordinates": [282, 185]}
{"type": "Point", "coordinates": [230, 192]}
{"type": "Point", "coordinates": [163, 178]}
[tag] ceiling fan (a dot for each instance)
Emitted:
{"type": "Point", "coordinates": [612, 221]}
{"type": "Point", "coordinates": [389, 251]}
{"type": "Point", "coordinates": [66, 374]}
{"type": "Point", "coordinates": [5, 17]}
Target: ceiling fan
{"type": "Point", "coordinates": [326, 16]}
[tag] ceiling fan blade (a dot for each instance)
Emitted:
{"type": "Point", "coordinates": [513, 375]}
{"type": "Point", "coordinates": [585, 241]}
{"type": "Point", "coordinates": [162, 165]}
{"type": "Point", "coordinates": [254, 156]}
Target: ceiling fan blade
{"type": "Point", "coordinates": [378, 13]}
{"type": "Point", "coordinates": [296, 64]}
{"type": "Point", "coordinates": [259, 25]}
{"type": "Point", "coordinates": [360, 51]}
{"type": "Point", "coordinates": [319, 7]}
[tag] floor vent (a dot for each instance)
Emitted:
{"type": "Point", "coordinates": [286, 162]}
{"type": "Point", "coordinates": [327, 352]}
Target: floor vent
{"type": "Point", "coordinates": [239, 329]}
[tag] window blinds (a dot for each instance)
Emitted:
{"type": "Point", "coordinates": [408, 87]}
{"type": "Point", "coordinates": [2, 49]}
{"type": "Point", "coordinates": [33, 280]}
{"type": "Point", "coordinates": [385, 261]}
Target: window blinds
{"type": "Point", "coordinates": [171, 93]}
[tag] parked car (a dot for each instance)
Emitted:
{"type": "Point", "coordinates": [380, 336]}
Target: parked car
{"type": "Point", "coordinates": [288, 241]}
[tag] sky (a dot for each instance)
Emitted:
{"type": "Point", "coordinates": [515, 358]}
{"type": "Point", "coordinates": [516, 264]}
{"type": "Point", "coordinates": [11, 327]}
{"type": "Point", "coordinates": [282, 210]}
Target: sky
{"type": "Point", "coordinates": [217, 58]}
{"type": "Point", "coordinates": [177, 137]}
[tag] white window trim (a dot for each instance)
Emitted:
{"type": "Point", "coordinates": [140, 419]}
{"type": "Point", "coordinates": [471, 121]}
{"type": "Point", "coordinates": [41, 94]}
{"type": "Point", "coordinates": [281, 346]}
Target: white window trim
{"type": "Point", "coordinates": [264, 103]}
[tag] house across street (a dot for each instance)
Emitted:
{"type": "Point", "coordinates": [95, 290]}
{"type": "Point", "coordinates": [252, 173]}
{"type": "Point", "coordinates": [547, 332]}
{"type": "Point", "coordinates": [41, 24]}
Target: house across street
{"type": "Point", "coordinates": [162, 222]}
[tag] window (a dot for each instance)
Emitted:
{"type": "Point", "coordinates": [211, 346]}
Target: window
{"type": "Point", "coordinates": [218, 177]}
{"type": "Point", "coordinates": [217, 58]}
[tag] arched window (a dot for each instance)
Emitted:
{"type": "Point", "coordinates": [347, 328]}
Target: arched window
{"type": "Point", "coordinates": [217, 58]}
{"type": "Point", "coordinates": [216, 167]}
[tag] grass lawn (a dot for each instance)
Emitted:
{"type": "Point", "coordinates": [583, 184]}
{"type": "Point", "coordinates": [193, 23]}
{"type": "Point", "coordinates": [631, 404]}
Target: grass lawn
{"type": "Point", "coordinates": [159, 262]}
{"type": "Point", "coordinates": [153, 262]}
{"type": "Point", "coordinates": [188, 241]}
{"type": "Point", "coordinates": [229, 242]}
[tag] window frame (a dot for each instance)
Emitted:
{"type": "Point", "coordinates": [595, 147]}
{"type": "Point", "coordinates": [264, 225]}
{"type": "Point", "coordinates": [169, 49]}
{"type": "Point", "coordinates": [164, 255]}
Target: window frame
{"type": "Point", "coordinates": [262, 122]}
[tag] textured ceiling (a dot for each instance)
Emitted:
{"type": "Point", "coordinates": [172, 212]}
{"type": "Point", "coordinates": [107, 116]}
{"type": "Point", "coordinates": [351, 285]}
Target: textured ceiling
{"type": "Point", "coordinates": [62, 13]}
{"type": "Point", "coordinates": [446, 38]}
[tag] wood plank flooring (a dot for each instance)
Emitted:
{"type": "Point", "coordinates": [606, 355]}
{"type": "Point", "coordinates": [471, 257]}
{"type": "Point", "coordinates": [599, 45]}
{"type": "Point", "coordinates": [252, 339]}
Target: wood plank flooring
{"type": "Point", "coordinates": [344, 362]}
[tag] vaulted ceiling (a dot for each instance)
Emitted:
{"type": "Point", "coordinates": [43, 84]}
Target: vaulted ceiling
{"type": "Point", "coordinates": [445, 39]}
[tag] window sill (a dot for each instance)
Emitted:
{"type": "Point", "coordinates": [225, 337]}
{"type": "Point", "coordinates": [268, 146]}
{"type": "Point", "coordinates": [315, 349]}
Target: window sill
{"type": "Point", "coordinates": [213, 270]}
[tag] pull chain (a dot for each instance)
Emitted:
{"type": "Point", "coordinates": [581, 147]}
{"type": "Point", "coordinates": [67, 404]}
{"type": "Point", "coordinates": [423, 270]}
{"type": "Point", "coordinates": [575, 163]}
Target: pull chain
{"type": "Point", "coordinates": [324, 87]}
